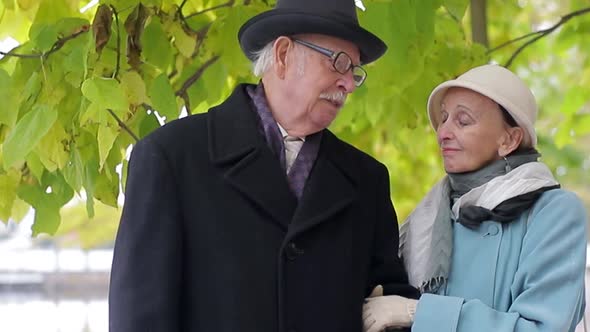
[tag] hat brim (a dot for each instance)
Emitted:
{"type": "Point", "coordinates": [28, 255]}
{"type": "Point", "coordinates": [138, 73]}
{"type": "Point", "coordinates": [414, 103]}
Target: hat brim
{"type": "Point", "coordinates": [265, 27]}
{"type": "Point", "coordinates": [437, 95]}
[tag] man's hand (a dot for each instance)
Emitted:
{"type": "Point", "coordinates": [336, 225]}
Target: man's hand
{"type": "Point", "coordinates": [381, 312]}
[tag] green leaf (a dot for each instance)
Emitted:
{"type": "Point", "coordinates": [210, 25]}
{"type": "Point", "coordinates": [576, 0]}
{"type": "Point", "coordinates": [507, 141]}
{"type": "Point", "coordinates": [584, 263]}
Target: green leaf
{"type": "Point", "coordinates": [215, 77]}
{"type": "Point", "coordinates": [8, 183]}
{"type": "Point", "coordinates": [51, 11]}
{"type": "Point", "coordinates": [155, 3]}
{"type": "Point", "coordinates": [69, 25]}
{"type": "Point", "coordinates": [30, 92]}
{"type": "Point", "coordinates": [61, 192]}
{"type": "Point", "coordinates": [125, 172]}
{"type": "Point", "coordinates": [157, 49]}
{"type": "Point", "coordinates": [43, 37]}
{"type": "Point", "coordinates": [134, 88]}
{"type": "Point", "coordinates": [106, 137]}
{"type": "Point", "coordinates": [107, 190]}
{"type": "Point", "coordinates": [123, 4]}
{"type": "Point", "coordinates": [74, 171]}
{"type": "Point", "coordinates": [75, 65]}
{"type": "Point", "coordinates": [457, 8]}
{"type": "Point", "coordinates": [148, 124]}
{"type": "Point", "coordinates": [47, 216]}
{"type": "Point", "coordinates": [106, 93]}
{"type": "Point", "coordinates": [88, 150]}
{"type": "Point", "coordinates": [90, 115]}
{"type": "Point", "coordinates": [8, 112]}
{"type": "Point", "coordinates": [163, 98]}
{"type": "Point", "coordinates": [27, 133]}
{"type": "Point", "coordinates": [8, 4]}
{"type": "Point", "coordinates": [35, 165]}
{"type": "Point", "coordinates": [224, 31]}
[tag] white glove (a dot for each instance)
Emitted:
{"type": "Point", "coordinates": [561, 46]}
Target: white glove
{"type": "Point", "coordinates": [377, 291]}
{"type": "Point", "coordinates": [381, 312]}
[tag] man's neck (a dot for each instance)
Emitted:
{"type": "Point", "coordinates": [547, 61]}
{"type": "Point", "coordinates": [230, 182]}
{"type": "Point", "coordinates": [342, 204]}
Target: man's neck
{"type": "Point", "coordinates": [276, 101]}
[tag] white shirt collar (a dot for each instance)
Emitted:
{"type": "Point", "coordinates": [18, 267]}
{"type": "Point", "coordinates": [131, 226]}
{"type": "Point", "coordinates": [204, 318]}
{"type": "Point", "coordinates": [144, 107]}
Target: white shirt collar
{"type": "Point", "coordinates": [285, 134]}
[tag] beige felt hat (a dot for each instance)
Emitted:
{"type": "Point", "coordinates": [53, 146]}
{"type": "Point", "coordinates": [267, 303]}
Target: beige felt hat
{"type": "Point", "coordinates": [502, 86]}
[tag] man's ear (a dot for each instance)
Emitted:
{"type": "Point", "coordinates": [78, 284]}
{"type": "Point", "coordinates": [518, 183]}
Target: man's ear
{"type": "Point", "coordinates": [510, 141]}
{"type": "Point", "coordinates": [280, 50]}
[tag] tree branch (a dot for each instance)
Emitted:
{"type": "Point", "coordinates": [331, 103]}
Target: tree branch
{"type": "Point", "coordinates": [191, 80]}
{"type": "Point", "coordinates": [512, 41]}
{"type": "Point", "coordinates": [123, 125]}
{"type": "Point", "coordinates": [54, 48]}
{"type": "Point", "coordinates": [179, 11]}
{"type": "Point", "coordinates": [227, 4]}
{"type": "Point", "coordinates": [479, 22]}
{"type": "Point", "coordinates": [18, 55]}
{"type": "Point", "coordinates": [521, 48]}
{"type": "Point", "coordinates": [201, 34]}
{"type": "Point", "coordinates": [538, 35]}
{"type": "Point", "coordinates": [118, 65]}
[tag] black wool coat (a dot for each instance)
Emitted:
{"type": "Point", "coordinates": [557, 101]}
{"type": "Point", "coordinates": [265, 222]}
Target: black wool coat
{"type": "Point", "coordinates": [212, 239]}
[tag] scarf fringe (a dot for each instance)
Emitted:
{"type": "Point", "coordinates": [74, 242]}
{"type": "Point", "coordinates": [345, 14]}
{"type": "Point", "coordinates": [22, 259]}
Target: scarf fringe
{"type": "Point", "coordinates": [433, 285]}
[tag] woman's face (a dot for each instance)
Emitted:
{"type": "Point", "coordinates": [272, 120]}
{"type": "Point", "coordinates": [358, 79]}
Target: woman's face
{"type": "Point", "coordinates": [471, 131]}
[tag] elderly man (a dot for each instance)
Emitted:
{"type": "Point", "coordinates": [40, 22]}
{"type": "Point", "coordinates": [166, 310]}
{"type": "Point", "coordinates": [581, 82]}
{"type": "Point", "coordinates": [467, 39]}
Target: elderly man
{"type": "Point", "coordinates": [254, 217]}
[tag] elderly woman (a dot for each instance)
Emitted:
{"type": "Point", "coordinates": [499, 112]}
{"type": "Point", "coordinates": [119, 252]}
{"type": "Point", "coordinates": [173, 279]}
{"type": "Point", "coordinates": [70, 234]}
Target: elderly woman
{"type": "Point", "coordinates": [496, 245]}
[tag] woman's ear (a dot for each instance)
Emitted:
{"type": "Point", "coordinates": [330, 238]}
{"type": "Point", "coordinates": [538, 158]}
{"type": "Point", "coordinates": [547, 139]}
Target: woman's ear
{"type": "Point", "coordinates": [510, 141]}
{"type": "Point", "coordinates": [280, 51]}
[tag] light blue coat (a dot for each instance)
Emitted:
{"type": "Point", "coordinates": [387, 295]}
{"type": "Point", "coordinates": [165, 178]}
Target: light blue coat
{"type": "Point", "coordinates": [520, 276]}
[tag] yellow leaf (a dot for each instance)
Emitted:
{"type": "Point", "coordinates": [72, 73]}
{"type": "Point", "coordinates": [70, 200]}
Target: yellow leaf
{"type": "Point", "coordinates": [106, 137]}
{"type": "Point", "coordinates": [20, 209]}
{"type": "Point", "coordinates": [52, 148]}
{"type": "Point", "coordinates": [185, 43]}
{"type": "Point", "coordinates": [8, 183]}
{"type": "Point", "coordinates": [25, 4]}
{"type": "Point", "coordinates": [134, 87]}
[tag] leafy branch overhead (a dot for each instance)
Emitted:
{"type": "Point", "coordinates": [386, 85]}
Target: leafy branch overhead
{"type": "Point", "coordinates": [81, 88]}
{"type": "Point", "coordinates": [537, 35]}
{"type": "Point", "coordinates": [84, 98]}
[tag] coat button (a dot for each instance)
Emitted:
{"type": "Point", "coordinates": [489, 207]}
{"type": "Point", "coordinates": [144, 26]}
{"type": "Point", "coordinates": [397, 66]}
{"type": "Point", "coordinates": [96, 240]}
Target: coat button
{"type": "Point", "coordinates": [493, 230]}
{"type": "Point", "coordinates": [292, 251]}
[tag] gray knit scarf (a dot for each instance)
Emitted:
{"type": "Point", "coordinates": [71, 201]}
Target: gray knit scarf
{"type": "Point", "coordinates": [426, 236]}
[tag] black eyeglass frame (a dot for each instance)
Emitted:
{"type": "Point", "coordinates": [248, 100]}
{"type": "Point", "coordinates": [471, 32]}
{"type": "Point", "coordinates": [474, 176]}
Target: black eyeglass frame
{"type": "Point", "coordinates": [334, 56]}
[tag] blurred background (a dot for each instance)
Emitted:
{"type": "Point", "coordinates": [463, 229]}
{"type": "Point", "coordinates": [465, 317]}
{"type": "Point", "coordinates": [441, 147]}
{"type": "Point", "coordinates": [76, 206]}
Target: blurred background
{"type": "Point", "coordinates": [102, 74]}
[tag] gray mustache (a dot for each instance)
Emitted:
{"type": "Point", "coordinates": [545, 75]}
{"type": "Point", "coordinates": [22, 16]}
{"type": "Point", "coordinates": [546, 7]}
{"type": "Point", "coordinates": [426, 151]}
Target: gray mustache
{"type": "Point", "coordinates": [339, 96]}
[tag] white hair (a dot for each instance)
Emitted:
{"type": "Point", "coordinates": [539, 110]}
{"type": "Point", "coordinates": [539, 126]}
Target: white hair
{"type": "Point", "coordinates": [264, 59]}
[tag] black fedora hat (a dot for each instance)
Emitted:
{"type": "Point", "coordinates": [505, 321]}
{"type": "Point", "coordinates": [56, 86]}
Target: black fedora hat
{"type": "Point", "coordinates": [335, 18]}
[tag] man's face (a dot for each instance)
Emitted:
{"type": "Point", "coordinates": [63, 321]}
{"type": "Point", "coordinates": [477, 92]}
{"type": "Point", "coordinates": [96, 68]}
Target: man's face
{"type": "Point", "coordinates": [315, 91]}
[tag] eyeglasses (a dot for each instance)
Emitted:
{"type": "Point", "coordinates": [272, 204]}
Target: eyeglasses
{"type": "Point", "coordinates": [341, 61]}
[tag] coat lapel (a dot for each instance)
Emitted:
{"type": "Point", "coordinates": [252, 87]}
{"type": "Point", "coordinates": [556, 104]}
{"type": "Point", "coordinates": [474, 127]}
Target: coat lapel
{"type": "Point", "coordinates": [330, 187]}
{"type": "Point", "coordinates": [239, 150]}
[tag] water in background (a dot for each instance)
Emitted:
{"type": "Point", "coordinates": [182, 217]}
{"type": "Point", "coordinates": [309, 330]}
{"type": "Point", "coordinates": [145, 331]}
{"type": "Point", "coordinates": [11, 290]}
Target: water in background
{"type": "Point", "coordinates": [46, 289]}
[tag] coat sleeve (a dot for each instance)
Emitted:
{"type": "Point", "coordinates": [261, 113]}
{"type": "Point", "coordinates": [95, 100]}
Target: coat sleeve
{"type": "Point", "coordinates": [387, 268]}
{"type": "Point", "coordinates": [548, 287]}
{"type": "Point", "coordinates": [144, 291]}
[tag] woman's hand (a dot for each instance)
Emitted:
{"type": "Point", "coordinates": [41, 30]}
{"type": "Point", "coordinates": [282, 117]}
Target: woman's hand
{"type": "Point", "coordinates": [381, 312]}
